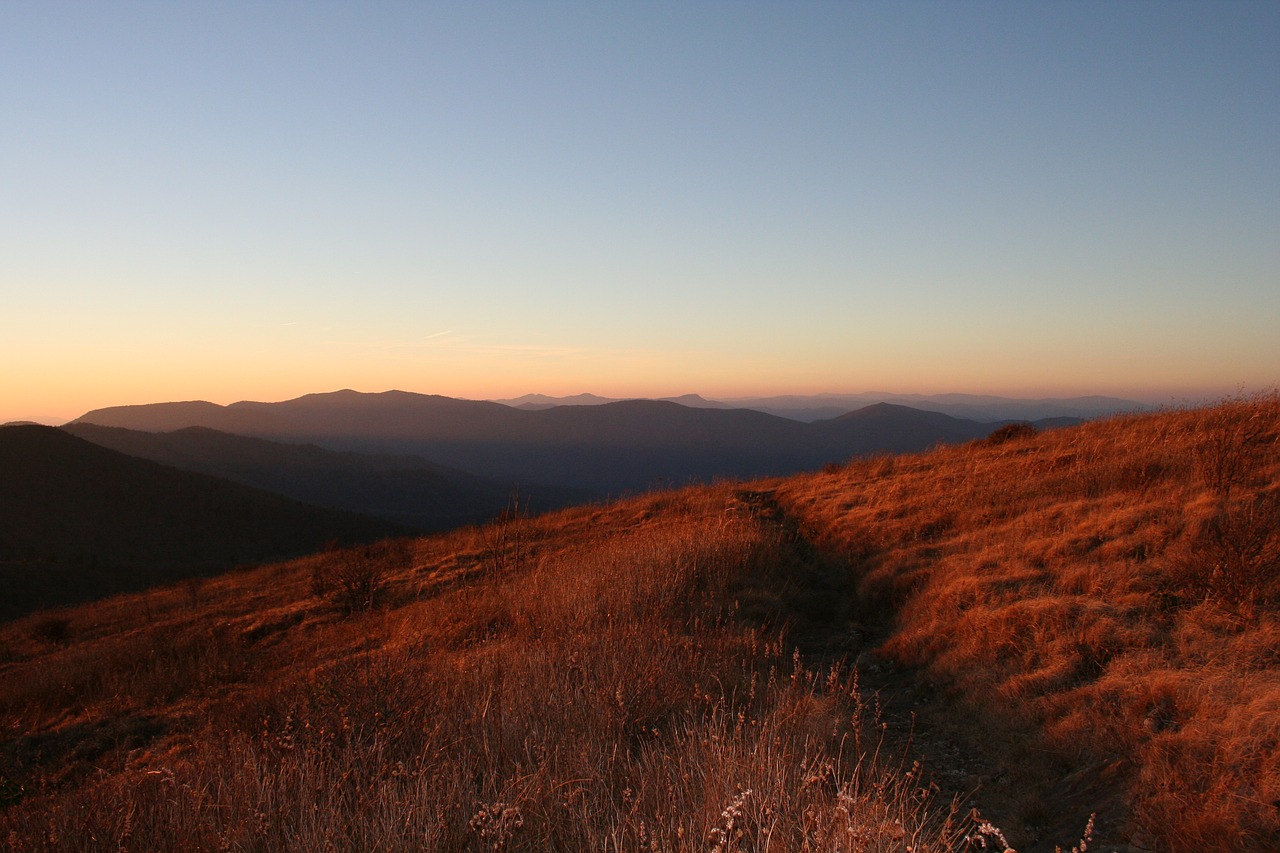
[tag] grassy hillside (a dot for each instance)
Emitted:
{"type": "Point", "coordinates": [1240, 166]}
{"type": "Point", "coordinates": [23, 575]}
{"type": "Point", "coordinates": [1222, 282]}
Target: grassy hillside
{"type": "Point", "coordinates": [1056, 625]}
{"type": "Point", "coordinates": [1105, 598]}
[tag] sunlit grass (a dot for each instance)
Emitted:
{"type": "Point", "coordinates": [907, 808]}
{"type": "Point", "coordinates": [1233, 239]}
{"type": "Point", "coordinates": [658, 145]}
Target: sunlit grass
{"type": "Point", "coordinates": [1114, 587]}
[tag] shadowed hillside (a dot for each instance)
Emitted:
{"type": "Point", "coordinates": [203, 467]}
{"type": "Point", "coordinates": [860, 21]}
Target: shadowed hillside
{"type": "Point", "coordinates": [1057, 625]}
{"type": "Point", "coordinates": [405, 489]}
{"type": "Point", "coordinates": [78, 521]}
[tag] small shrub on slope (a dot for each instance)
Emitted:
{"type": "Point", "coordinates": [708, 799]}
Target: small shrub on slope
{"type": "Point", "coordinates": [351, 578]}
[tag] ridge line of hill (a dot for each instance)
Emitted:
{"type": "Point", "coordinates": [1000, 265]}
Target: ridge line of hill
{"type": "Point", "coordinates": [403, 488]}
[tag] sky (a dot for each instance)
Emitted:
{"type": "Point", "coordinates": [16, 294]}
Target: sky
{"type": "Point", "coordinates": [243, 200]}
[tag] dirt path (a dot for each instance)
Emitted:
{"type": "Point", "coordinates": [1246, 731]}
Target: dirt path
{"type": "Point", "coordinates": [1020, 787]}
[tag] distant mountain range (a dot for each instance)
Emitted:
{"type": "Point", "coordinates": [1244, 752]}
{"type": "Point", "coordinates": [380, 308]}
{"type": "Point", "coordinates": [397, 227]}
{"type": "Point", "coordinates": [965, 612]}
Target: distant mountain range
{"type": "Point", "coordinates": [78, 521]}
{"type": "Point", "coordinates": [605, 448]}
{"type": "Point", "coordinates": [814, 407]}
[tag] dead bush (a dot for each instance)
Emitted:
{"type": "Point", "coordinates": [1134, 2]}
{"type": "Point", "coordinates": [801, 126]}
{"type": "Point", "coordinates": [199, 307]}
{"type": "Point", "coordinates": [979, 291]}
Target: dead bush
{"type": "Point", "coordinates": [351, 578]}
{"type": "Point", "coordinates": [52, 629]}
{"type": "Point", "coordinates": [1232, 442]}
{"type": "Point", "coordinates": [506, 538]}
{"type": "Point", "coordinates": [1011, 432]}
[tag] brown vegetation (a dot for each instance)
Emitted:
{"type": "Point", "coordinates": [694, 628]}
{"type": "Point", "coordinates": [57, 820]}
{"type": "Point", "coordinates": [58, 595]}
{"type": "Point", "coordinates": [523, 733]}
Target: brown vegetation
{"type": "Point", "coordinates": [587, 681]}
{"type": "Point", "coordinates": [1097, 607]}
{"type": "Point", "coordinates": [1081, 621]}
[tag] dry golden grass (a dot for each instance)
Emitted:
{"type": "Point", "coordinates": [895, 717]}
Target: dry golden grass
{"type": "Point", "coordinates": [1111, 590]}
{"type": "Point", "coordinates": [1081, 621]}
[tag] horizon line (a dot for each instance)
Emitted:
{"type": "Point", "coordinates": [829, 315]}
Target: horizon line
{"type": "Point", "coordinates": [1160, 398]}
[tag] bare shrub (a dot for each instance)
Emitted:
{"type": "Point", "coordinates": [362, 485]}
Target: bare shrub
{"type": "Point", "coordinates": [351, 578]}
{"type": "Point", "coordinates": [1010, 432]}
{"type": "Point", "coordinates": [193, 586]}
{"type": "Point", "coordinates": [52, 629]}
{"type": "Point", "coordinates": [1230, 441]}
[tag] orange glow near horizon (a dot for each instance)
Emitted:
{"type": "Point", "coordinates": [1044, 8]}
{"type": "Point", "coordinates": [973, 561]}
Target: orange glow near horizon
{"type": "Point", "coordinates": [64, 383]}
{"type": "Point", "coordinates": [56, 392]}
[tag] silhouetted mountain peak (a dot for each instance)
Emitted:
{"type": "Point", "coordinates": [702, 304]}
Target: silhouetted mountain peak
{"type": "Point", "coordinates": [895, 412]}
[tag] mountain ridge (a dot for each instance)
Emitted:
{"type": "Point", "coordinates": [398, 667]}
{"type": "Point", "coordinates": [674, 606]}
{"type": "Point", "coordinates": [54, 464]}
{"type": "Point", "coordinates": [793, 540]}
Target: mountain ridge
{"type": "Point", "coordinates": [610, 448]}
{"type": "Point", "coordinates": [811, 407]}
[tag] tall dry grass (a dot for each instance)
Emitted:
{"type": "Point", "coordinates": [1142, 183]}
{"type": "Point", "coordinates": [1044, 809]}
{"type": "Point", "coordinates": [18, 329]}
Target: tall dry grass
{"type": "Point", "coordinates": [628, 683]}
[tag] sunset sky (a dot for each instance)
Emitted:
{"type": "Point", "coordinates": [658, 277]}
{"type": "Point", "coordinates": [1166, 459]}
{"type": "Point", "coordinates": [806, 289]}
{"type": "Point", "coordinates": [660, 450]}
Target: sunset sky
{"type": "Point", "coordinates": [247, 200]}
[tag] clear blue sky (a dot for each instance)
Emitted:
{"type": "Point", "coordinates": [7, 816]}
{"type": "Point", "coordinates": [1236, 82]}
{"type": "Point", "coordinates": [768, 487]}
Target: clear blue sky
{"type": "Point", "coordinates": [244, 200]}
